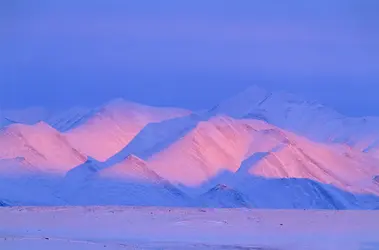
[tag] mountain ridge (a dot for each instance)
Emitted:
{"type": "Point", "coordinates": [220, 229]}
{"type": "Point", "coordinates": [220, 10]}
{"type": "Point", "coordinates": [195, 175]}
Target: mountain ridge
{"type": "Point", "coordinates": [272, 149]}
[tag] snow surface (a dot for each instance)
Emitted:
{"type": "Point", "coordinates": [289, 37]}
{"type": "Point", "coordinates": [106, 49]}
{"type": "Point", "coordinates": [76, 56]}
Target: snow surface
{"type": "Point", "coordinates": [307, 118]}
{"type": "Point", "coordinates": [92, 228]}
{"type": "Point", "coordinates": [111, 127]}
{"type": "Point", "coordinates": [257, 149]}
{"type": "Point", "coordinates": [40, 145]}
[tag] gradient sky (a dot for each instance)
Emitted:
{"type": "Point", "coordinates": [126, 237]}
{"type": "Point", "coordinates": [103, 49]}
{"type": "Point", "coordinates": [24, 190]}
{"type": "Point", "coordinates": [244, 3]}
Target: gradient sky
{"type": "Point", "coordinates": [188, 53]}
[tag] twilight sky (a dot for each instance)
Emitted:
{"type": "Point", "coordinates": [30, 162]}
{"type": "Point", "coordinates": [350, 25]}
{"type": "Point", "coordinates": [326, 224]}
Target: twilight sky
{"type": "Point", "coordinates": [188, 53]}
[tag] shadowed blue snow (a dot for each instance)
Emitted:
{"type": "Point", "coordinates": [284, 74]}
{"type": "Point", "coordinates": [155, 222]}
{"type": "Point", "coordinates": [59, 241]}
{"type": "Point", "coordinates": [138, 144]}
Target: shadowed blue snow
{"type": "Point", "coordinates": [189, 54]}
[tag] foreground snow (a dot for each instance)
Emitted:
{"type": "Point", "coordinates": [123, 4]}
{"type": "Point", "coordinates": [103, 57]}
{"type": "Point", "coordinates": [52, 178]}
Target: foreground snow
{"type": "Point", "coordinates": [166, 228]}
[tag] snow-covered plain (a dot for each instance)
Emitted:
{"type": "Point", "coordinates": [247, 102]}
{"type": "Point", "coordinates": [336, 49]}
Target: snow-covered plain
{"type": "Point", "coordinates": [74, 228]}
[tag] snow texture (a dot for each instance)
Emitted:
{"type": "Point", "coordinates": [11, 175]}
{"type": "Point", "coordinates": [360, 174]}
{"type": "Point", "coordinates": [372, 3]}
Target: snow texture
{"type": "Point", "coordinates": [254, 150]}
{"type": "Point", "coordinates": [93, 228]}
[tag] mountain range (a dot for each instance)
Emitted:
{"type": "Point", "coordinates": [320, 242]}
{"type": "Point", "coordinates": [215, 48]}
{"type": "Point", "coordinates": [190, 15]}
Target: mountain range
{"type": "Point", "coordinates": [257, 149]}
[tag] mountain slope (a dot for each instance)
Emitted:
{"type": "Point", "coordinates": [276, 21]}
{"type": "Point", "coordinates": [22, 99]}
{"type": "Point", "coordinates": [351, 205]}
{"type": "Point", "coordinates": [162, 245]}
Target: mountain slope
{"type": "Point", "coordinates": [129, 182]}
{"type": "Point", "coordinates": [110, 128]}
{"type": "Point", "coordinates": [155, 137]}
{"type": "Point", "coordinates": [28, 116]}
{"type": "Point", "coordinates": [68, 119]}
{"type": "Point", "coordinates": [40, 146]}
{"type": "Point", "coordinates": [224, 196]}
{"type": "Point", "coordinates": [346, 170]}
{"type": "Point", "coordinates": [223, 143]}
{"type": "Point", "coordinates": [131, 168]}
{"type": "Point", "coordinates": [310, 119]}
{"type": "Point", "coordinates": [213, 145]}
{"type": "Point", "coordinates": [129, 154]}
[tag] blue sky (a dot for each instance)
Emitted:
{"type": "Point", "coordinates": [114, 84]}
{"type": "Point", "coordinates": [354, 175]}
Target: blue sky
{"type": "Point", "coordinates": [188, 53]}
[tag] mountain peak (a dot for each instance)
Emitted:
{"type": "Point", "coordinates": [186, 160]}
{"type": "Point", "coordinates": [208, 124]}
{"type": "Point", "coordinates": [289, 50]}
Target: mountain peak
{"type": "Point", "coordinates": [224, 196]}
{"type": "Point", "coordinates": [120, 102]}
{"type": "Point", "coordinates": [131, 168]}
{"type": "Point", "coordinates": [40, 127]}
{"type": "Point", "coordinates": [44, 125]}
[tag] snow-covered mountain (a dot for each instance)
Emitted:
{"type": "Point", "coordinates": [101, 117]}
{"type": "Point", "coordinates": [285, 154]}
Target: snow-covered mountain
{"type": "Point", "coordinates": [257, 149]}
{"type": "Point", "coordinates": [223, 143]}
{"type": "Point", "coordinates": [198, 150]}
{"type": "Point", "coordinates": [26, 116]}
{"type": "Point", "coordinates": [67, 119]}
{"type": "Point", "coordinates": [129, 182]}
{"type": "Point", "coordinates": [131, 168]}
{"type": "Point", "coordinates": [60, 119]}
{"type": "Point", "coordinates": [211, 146]}
{"type": "Point", "coordinates": [310, 119]}
{"type": "Point", "coordinates": [299, 193]}
{"type": "Point", "coordinates": [40, 146]}
{"type": "Point", "coordinates": [108, 129]}
{"type": "Point", "coordinates": [223, 196]}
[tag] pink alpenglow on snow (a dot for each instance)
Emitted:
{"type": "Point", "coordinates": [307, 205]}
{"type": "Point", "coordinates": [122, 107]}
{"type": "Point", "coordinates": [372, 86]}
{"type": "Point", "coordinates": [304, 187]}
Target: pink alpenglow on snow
{"type": "Point", "coordinates": [114, 125]}
{"type": "Point", "coordinates": [248, 151]}
{"type": "Point", "coordinates": [40, 146]}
